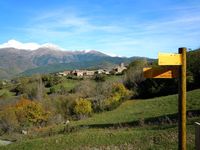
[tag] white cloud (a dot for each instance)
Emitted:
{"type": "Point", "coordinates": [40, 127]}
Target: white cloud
{"type": "Point", "coordinates": [18, 45]}
{"type": "Point", "coordinates": [28, 46]}
{"type": "Point", "coordinates": [64, 24]}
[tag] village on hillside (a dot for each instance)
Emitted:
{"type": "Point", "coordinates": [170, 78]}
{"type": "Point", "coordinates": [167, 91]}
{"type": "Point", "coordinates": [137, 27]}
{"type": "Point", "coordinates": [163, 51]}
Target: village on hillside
{"type": "Point", "coordinates": [89, 73]}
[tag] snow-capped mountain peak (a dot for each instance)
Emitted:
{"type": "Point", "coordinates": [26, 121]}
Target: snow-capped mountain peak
{"type": "Point", "coordinates": [51, 46]}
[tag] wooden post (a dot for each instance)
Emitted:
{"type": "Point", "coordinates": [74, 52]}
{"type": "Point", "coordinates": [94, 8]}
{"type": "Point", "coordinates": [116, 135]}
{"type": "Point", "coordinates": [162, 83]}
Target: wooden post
{"type": "Point", "coordinates": [182, 101]}
{"type": "Point", "coordinates": [180, 61]}
{"type": "Point", "coordinates": [197, 136]}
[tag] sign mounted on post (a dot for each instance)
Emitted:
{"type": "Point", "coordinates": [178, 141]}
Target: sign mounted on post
{"type": "Point", "coordinates": [175, 67]}
{"type": "Point", "coordinates": [169, 59]}
{"type": "Point", "coordinates": [161, 72]}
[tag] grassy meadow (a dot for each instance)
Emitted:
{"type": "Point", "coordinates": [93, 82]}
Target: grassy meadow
{"type": "Point", "coordinates": [136, 124]}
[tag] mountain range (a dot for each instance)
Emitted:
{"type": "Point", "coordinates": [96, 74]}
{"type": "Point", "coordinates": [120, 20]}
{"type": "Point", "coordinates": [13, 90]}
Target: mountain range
{"type": "Point", "coordinates": [48, 59]}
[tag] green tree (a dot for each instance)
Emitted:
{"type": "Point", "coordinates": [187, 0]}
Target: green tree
{"type": "Point", "coordinates": [193, 67]}
{"type": "Point", "coordinates": [32, 87]}
{"type": "Point", "coordinates": [134, 75]}
{"type": "Point", "coordinates": [100, 77]}
{"type": "Point", "coordinates": [86, 88]}
{"type": "Point", "coordinates": [51, 80]}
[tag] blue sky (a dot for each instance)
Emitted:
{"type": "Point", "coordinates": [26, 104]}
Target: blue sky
{"type": "Point", "coordinates": [116, 27]}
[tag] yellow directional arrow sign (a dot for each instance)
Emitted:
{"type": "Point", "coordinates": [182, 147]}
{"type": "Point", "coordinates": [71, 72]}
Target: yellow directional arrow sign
{"type": "Point", "coordinates": [161, 72]}
{"type": "Point", "coordinates": [169, 59]}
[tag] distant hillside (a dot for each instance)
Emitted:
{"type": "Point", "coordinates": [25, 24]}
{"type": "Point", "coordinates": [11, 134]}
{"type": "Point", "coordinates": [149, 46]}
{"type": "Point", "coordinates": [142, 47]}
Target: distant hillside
{"type": "Point", "coordinates": [105, 63]}
{"type": "Point", "coordinates": [46, 60]}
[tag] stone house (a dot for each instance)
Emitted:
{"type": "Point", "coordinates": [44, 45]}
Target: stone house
{"type": "Point", "coordinates": [119, 69]}
{"type": "Point", "coordinates": [78, 73]}
{"type": "Point", "coordinates": [89, 73]}
{"type": "Point", "coordinates": [64, 73]}
{"type": "Point", "coordinates": [100, 71]}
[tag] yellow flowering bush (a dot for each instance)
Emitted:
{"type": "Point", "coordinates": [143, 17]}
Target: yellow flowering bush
{"type": "Point", "coordinates": [82, 108]}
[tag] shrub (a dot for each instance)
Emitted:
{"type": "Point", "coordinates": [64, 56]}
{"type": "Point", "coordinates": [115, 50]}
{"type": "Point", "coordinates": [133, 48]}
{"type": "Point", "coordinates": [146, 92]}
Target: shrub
{"type": "Point", "coordinates": [30, 113]}
{"type": "Point", "coordinates": [82, 108]}
{"type": "Point", "coordinates": [51, 80]}
{"type": "Point", "coordinates": [24, 113]}
{"type": "Point", "coordinates": [117, 95]}
{"type": "Point", "coordinates": [86, 89]}
{"type": "Point", "coordinates": [64, 105]}
{"type": "Point", "coordinates": [102, 91]}
{"type": "Point", "coordinates": [134, 75]}
{"type": "Point", "coordinates": [108, 95]}
{"type": "Point", "coordinates": [100, 78]}
{"type": "Point", "coordinates": [52, 90]}
{"type": "Point", "coordinates": [120, 89]}
{"type": "Point", "coordinates": [8, 120]}
{"type": "Point", "coordinates": [112, 102]}
{"type": "Point", "coordinates": [32, 88]}
{"type": "Point", "coordinates": [157, 87]}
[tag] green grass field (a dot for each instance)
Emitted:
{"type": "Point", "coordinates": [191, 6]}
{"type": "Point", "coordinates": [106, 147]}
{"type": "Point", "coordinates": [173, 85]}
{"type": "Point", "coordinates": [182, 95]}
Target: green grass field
{"type": "Point", "coordinates": [136, 124]}
{"type": "Point", "coordinates": [141, 109]}
{"type": "Point", "coordinates": [4, 93]}
{"type": "Point", "coordinates": [68, 84]}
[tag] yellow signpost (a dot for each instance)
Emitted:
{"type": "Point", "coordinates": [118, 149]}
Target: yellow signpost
{"type": "Point", "coordinates": [176, 68]}
{"type": "Point", "coordinates": [182, 100]}
{"type": "Point", "coordinates": [168, 59]}
{"type": "Point", "coordinates": [161, 72]}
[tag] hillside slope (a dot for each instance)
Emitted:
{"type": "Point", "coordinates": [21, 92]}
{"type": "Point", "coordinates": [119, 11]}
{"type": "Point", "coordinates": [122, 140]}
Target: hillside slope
{"type": "Point", "coordinates": [157, 128]}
